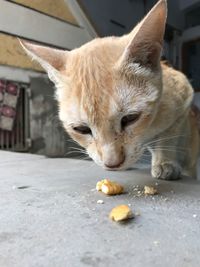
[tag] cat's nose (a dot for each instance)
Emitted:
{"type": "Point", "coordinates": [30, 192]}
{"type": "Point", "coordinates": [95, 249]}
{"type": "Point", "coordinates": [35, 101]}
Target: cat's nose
{"type": "Point", "coordinates": [113, 156]}
{"type": "Point", "coordinates": [114, 164]}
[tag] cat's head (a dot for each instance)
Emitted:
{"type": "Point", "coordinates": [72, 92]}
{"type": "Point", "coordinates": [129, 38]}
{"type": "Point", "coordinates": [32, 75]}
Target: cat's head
{"type": "Point", "coordinates": [108, 90]}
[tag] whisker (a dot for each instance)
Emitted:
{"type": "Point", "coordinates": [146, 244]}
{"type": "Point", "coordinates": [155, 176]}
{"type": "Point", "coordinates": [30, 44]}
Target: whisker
{"type": "Point", "coordinates": [164, 139]}
{"type": "Point", "coordinates": [83, 158]}
{"type": "Point", "coordinates": [174, 148]}
{"type": "Point", "coordinates": [169, 150]}
{"type": "Point", "coordinates": [78, 149]}
{"type": "Point", "coordinates": [71, 152]}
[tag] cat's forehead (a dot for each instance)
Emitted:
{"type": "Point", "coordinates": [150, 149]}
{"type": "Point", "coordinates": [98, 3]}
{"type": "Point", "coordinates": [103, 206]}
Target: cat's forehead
{"type": "Point", "coordinates": [106, 50]}
{"type": "Point", "coordinates": [91, 76]}
{"type": "Point", "coordinates": [97, 90]}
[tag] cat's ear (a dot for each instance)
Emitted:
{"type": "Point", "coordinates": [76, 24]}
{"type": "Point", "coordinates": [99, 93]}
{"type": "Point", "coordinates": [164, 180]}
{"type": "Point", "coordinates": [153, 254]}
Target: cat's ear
{"type": "Point", "coordinates": [52, 60]}
{"type": "Point", "coordinates": [145, 41]}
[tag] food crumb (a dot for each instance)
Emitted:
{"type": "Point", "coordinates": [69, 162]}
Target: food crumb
{"type": "Point", "coordinates": [109, 187]}
{"type": "Point", "coordinates": [150, 190]}
{"type": "Point", "coordinates": [121, 213]}
{"type": "Point", "coordinates": [100, 201]}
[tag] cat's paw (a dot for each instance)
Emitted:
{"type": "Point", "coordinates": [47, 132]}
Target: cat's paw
{"type": "Point", "coordinates": [166, 171]}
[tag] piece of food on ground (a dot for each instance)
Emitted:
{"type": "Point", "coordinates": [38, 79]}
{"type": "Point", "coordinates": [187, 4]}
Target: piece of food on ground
{"type": "Point", "coordinates": [150, 190]}
{"type": "Point", "coordinates": [121, 213]}
{"type": "Point", "coordinates": [109, 187]}
{"type": "Point", "coordinates": [99, 185]}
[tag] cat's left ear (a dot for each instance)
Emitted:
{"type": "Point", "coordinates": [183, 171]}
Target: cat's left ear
{"type": "Point", "coordinates": [146, 39]}
{"type": "Point", "coordinates": [52, 60]}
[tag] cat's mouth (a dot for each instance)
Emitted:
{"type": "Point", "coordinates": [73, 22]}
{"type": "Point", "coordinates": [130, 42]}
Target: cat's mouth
{"type": "Point", "coordinates": [114, 169]}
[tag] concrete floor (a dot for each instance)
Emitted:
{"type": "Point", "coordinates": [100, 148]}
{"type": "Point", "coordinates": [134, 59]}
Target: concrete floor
{"type": "Point", "coordinates": [49, 217]}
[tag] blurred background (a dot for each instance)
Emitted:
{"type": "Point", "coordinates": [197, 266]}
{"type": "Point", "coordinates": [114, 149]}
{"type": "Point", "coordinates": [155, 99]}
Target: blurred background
{"type": "Point", "coordinates": [28, 110]}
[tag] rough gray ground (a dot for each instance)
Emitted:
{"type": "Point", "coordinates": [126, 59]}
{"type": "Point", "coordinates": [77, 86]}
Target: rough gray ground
{"type": "Point", "coordinates": [49, 217]}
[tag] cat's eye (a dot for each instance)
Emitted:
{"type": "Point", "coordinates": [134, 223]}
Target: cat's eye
{"type": "Point", "coordinates": [129, 119]}
{"type": "Point", "coordinates": [82, 129]}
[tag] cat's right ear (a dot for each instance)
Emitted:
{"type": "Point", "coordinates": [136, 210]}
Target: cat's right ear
{"type": "Point", "coordinates": [52, 60]}
{"type": "Point", "coordinates": [146, 39]}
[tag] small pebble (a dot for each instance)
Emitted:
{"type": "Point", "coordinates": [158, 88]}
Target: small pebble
{"type": "Point", "coordinates": [93, 189]}
{"type": "Point", "coordinates": [23, 187]}
{"type": "Point", "coordinates": [156, 242]}
{"type": "Point", "coordinates": [100, 201]}
{"type": "Point", "coordinates": [194, 215]}
{"type": "Point", "coordinates": [137, 213]}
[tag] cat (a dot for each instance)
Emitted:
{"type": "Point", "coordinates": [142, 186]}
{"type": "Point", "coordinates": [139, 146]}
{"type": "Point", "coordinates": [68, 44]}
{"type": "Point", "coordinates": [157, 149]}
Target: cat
{"type": "Point", "coordinates": [117, 99]}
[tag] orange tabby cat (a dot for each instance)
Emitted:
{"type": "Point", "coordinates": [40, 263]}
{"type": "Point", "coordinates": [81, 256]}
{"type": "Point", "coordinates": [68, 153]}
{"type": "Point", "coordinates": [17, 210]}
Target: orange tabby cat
{"type": "Point", "coordinates": [116, 99]}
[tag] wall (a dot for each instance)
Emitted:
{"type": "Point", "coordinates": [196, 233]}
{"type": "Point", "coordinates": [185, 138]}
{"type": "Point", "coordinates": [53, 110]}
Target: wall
{"type": "Point", "coordinates": [115, 17]}
{"type": "Point", "coordinates": [19, 74]}
{"type": "Point", "coordinates": [57, 9]}
{"type": "Point", "coordinates": [185, 4]}
{"type": "Point", "coordinates": [21, 21]}
{"type": "Point", "coordinates": [12, 54]}
{"type": "Point", "coordinates": [112, 17]}
{"type": "Point", "coordinates": [175, 17]}
{"type": "Point", "coordinates": [47, 134]}
{"type": "Point", "coordinates": [48, 137]}
{"type": "Point", "coordinates": [50, 23]}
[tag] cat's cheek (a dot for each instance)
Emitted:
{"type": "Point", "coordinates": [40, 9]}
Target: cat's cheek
{"type": "Point", "coordinates": [82, 140]}
{"type": "Point", "coordinates": [133, 154]}
{"type": "Point", "coordinates": [94, 154]}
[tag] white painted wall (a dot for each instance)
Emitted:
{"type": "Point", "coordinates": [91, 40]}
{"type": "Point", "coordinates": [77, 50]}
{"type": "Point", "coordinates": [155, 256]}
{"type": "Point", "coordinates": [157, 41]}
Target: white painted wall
{"type": "Point", "coordinates": [19, 75]}
{"type": "Point", "coordinates": [27, 23]}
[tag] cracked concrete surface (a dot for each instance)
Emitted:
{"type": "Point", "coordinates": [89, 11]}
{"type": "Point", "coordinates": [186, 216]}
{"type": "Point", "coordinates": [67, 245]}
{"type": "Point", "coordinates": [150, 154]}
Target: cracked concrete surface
{"type": "Point", "coordinates": [49, 217]}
